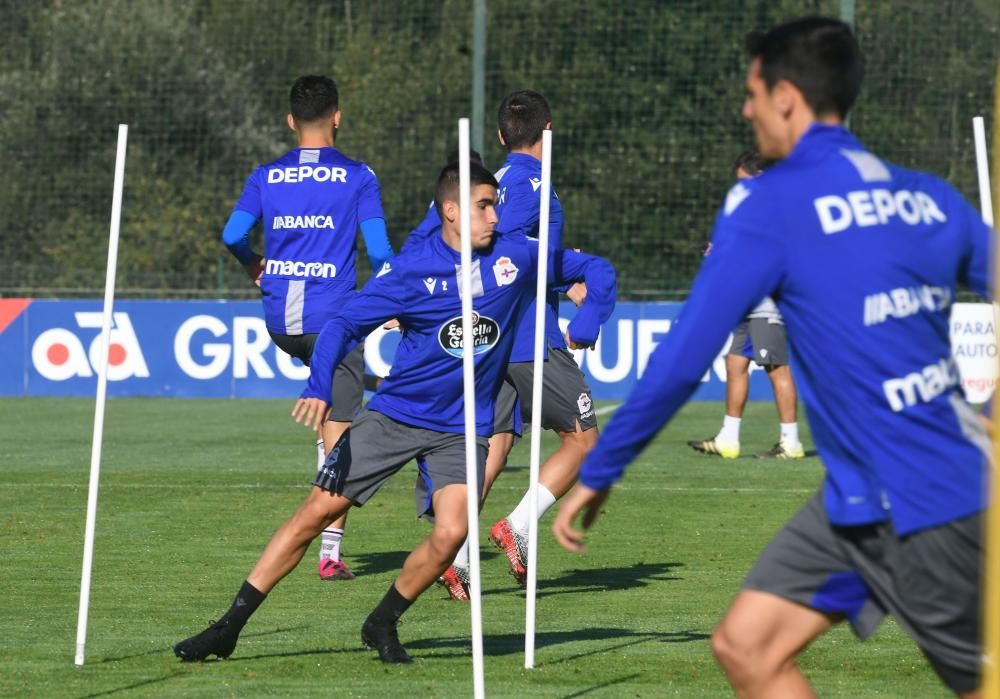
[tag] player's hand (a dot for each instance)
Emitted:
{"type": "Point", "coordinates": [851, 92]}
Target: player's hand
{"type": "Point", "coordinates": [311, 412]}
{"type": "Point", "coordinates": [574, 345]}
{"type": "Point", "coordinates": [255, 269]}
{"type": "Point", "coordinates": [580, 499]}
{"type": "Point", "coordinates": [393, 325]}
{"type": "Point", "coordinates": [577, 293]}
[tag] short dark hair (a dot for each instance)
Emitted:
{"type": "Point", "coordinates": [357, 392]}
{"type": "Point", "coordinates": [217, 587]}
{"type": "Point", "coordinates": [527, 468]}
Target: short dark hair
{"type": "Point", "coordinates": [474, 157]}
{"type": "Point", "coordinates": [313, 97]}
{"type": "Point", "coordinates": [751, 162]}
{"type": "Point", "coordinates": [522, 117]}
{"type": "Point", "coordinates": [448, 184]}
{"type": "Point", "coordinates": [818, 55]}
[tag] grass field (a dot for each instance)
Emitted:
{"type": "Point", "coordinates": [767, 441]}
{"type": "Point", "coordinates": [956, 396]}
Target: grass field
{"type": "Point", "coordinates": [191, 490]}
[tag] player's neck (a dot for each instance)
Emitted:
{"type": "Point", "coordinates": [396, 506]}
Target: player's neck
{"type": "Point", "coordinates": [453, 239]}
{"type": "Point", "coordinates": [317, 138]}
{"type": "Point", "coordinates": [798, 128]}
{"type": "Point", "coordinates": [534, 150]}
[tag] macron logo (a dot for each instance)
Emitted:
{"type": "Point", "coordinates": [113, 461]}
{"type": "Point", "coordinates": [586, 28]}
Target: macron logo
{"type": "Point", "coordinates": [386, 268]}
{"type": "Point", "coordinates": [430, 283]}
{"type": "Point", "coordinates": [535, 183]}
{"type": "Point", "coordinates": [735, 197]}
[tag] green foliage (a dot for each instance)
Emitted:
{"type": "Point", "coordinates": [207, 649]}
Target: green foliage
{"type": "Point", "coordinates": [646, 98]}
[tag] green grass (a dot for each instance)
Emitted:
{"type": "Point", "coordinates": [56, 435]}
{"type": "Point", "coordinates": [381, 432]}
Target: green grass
{"type": "Point", "coordinates": [191, 490]}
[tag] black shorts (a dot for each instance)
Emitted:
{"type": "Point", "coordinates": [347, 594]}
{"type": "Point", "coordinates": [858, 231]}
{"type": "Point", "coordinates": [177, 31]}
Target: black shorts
{"type": "Point", "coordinates": [376, 447]}
{"type": "Point", "coordinates": [566, 397]}
{"type": "Point", "coordinates": [348, 379]}
{"type": "Point", "coordinates": [928, 580]}
{"type": "Point", "coordinates": [761, 340]}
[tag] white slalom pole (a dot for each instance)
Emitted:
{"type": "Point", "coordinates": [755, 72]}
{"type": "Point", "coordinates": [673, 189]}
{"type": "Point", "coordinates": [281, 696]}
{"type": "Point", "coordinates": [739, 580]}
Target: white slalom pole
{"type": "Point", "coordinates": [102, 385]}
{"type": "Point", "coordinates": [536, 397]}
{"type": "Point", "coordinates": [983, 169]}
{"type": "Point", "coordinates": [468, 376]}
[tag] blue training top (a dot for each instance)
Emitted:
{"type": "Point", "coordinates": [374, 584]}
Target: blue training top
{"type": "Point", "coordinates": [420, 288]}
{"type": "Point", "coordinates": [862, 258]}
{"type": "Point", "coordinates": [311, 201]}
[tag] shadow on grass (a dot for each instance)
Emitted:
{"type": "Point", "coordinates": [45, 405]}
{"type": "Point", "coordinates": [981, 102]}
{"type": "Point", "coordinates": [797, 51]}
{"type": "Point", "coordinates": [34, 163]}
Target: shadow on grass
{"type": "Point", "coordinates": [156, 651]}
{"type": "Point", "coordinates": [134, 685]}
{"type": "Point", "coordinates": [603, 685]}
{"type": "Point", "coordinates": [512, 643]}
{"type": "Point", "coordinates": [608, 579]}
{"type": "Point", "coordinates": [390, 561]}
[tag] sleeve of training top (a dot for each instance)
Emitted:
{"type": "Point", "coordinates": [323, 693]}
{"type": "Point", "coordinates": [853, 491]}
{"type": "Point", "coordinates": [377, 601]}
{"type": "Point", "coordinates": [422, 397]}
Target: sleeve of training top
{"type": "Point", "coordinates": [976, 273]}
{"type": "Point", "coordinates": [236, 235]}
{"type": "Point", "coordinates": [745, 265]}
{"type": "Point", "coordinates": [376, 242]}
{"type": "Point", "coordinates": [381, 299]}
{"type": "Point", "coordinates": [568, 266]}
{"type": "Point", "coordinates": [249, 200]}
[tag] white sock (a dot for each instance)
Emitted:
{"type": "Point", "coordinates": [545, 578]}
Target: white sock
{"type": "Point", "coordinates": [462, 557]}
{"type": "Point", "coordinates": [730, 431]}
{"type": "Point", "coordinates": [520, 518]}
{"type": "Point", "coordinates": [790, 433]}
{"type": "Point", "coordinates": [330, 543]}
{"type": "Point", "coordinates": [320, 454]}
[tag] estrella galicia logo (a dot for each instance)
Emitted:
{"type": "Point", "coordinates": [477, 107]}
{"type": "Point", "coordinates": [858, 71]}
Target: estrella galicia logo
{"type": "Point", "coordinates": [485, 333]}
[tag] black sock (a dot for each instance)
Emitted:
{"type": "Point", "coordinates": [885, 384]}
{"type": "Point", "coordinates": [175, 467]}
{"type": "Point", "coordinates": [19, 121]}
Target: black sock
{"type": "Point", "coordinates": [246, 603]}
{"type": "Point", "coordinates": [391, 607]}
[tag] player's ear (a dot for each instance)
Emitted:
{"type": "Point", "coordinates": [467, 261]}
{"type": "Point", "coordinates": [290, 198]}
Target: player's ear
{"type": "Point", "coordinates": [500, 138]}
{"type": "Point", "coordinates": [335, 118]}
{"type": "Point", "coordinates": [450, 210]}
{"type": "Point", "coordinates": [291, 122]}
{"type": "Point", "coordinates": [784, 94]}
{"type": "Point", "coordinates": [548, 126]}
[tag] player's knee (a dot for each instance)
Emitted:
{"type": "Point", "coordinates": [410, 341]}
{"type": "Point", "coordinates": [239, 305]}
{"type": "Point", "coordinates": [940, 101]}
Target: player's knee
{"type": "Point", "coordinates": [734, 652]}
{"type": "Point", "coordinates": [449, 536]}
{"type": "Point", "coordinates": [580, 439]}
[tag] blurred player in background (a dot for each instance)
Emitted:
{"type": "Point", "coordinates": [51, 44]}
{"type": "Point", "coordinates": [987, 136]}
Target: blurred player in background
{"type": "Point", "coordinates": [418, 412]}
{"type": "Point", "coordinates": [759, 337]}
{"type": "Point", "coordinates": [311, 202]}
{"type": "Point", "coordinates": [862, 258]}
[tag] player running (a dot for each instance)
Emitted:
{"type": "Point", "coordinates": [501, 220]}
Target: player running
{"type": "Point", "coordinates": [418, 411]}
{"type": "Point", "coordinates": [862, 258]}
{"type": "Point", "coordinates": [311, 202]}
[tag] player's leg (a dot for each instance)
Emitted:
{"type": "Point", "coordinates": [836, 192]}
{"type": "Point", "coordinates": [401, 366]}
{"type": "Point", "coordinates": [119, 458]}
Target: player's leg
{"type": "Point", "coordinates": [369, 453]}
{"type": "Point", "coordinates": [441, 493]}
{"type": "Point", "coordinates": [758, 639]}
{"type": "Point", "coordinates": [567, 409]}
{"type": "Point", "coordinates": [727, 442]}
{"type": "Point", "coordinates": [771, 352]}
{"type": "Point", "coordinates": [348, 391]}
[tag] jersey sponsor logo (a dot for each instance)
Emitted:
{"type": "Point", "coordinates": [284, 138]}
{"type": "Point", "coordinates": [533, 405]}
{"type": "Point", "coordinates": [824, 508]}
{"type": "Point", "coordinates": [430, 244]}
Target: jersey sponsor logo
{"type": "Point", "coordinates": [906, 301]}
{"type": "Point", "coordinates": [485, 334]}
{"type": "Point", "coordinates": [735, 197]}
{"type": "Point", "coordinates": [431, 284]}
{"type": "Point", "coordinates": [58, 354]}
{"type": "Point", "coordinates": [505, 271]}
{"type": "Point", "coordinates": [300, 222]}
{"type": "Point", "coordinates": [585, 405]}
{"type": "Point", "coordinates": [386, 268]}
{"type": "Point", "coordinates": [304, 173]}
{"type": "Point", "coordinates": [293, 268]}
{"type": "Point", "coordinates": [875, 207]}
{"type": "Point", "coordinates": [921, 386]}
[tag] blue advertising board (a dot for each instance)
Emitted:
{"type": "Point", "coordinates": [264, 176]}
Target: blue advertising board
{"type": "Point", "coordinates": [221, 349]}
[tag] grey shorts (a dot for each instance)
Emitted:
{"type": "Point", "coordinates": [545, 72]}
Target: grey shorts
{"type": "Point", "coordinates": [348, 378]}
{"type": "Point", "coordinates": [376, 447]}
{"type": "Point", "coordinates": [566, 397]}
{"type": "Point", "coordinates": [928, 580]}
{"type": "Point", "coordinates": [762, 341]}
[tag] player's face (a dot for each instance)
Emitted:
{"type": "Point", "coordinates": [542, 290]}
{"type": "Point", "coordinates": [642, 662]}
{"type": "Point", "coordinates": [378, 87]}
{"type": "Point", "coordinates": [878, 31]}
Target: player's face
{"type": "Point", "coordinates": [764, 113]}
{"type": "Point", "coordinates": [484, 215]}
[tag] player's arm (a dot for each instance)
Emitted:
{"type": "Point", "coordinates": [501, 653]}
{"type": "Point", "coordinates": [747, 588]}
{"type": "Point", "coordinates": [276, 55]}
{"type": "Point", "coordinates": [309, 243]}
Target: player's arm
{"type": "Point", "coordinates": [976, 267]}
{"type": "Point", "coordinates": [745, 265]}
{"type": "Point", "coordinates": [372, 220]}
{"type": "Point", "coordinates": [380, 300]}
{"type": "Point", "coordinates": [236, 234]}
{"type": "Point", "coordinates": [570, 266]}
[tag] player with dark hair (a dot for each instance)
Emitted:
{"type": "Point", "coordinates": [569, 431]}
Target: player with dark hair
{"type": "Point", "coordinates": [311, 202]}
{"type": "Point", "coordinates": [418, 412]}
{"type": "Point", "coordinates": [862, 258]}
{"type": "Point", "coordinates": [760, 337]}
